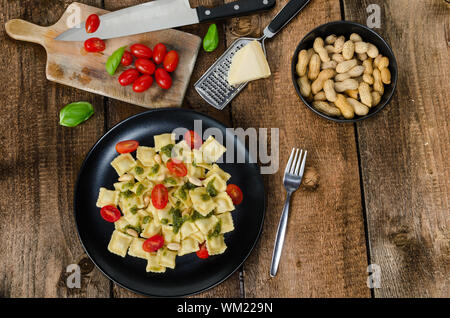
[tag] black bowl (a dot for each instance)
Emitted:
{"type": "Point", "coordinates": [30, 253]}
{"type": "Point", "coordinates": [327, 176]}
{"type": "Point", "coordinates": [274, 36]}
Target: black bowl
{"type": "Point", "coordinates": [346, 28]}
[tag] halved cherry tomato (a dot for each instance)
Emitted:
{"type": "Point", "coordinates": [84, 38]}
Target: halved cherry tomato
{"type": "Point", "coordinates": [127, 146]}
{"type": "Point", "coordinates": [203, 251]}
{"type": "Point", "coordinates": [193, 139]}
{"type": "Point", "coordinates": [159, 52]}
{"type": "Point", "coordinates": [94, 45]}
{"type": "Point", "coordinates": [171, 61]}
{"type": "Point", "coordinates": [163, 78]}
{"type": "Point", "coordinates": [145, 66]}
{"type": "Point", "coordinates": [127, 58]}
{"type": "Point", "coordinates": [177, 168]}
{"type": "Point", "coordinates": [153, 243]}
{"type": "Point", "coordinates": [92, 23]}
{"type": "Point", "coordinates": [128, 76]}
{"type": "Point", "coordinates": [110, 213]}
{"type": "Point", "coordinates": [235, 193]}
{"type": "Point", "coordinates": [160, 196]}
{"type": "Point", "coordinates": [141, 51]}
{"type": "Point", "coordinates": [142, 83]}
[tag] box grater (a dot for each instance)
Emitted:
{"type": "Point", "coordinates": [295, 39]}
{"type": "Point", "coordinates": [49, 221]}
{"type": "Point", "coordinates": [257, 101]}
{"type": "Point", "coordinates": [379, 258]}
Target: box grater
{"type": "Point", "coordinates": [213, 86]}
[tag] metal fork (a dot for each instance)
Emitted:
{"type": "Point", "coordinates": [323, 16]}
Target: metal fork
{"type": "Point", "coordinates": [292, 179]}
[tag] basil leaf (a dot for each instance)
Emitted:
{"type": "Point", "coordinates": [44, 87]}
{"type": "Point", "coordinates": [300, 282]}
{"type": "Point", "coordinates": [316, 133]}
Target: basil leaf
{"type": "Point", "coordinates": [114, 60]}
{"type": "Point", "coordinates": [211, 39]}
{"type": "Point", "coordinates": [75, 113]}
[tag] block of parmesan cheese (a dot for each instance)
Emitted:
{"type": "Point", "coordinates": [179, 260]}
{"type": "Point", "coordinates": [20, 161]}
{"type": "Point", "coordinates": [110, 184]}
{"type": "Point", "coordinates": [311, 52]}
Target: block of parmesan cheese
{"type": "Point", "coordinates": [248, 64]}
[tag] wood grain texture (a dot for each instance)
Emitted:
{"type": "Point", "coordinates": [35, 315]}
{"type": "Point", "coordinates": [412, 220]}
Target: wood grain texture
{"type": "Point", "coordinates": [404, 152]}
{"type": "Point", "coordinates": [117, 111]}
{"type": "Point", "coordinates": [69, 64]}
{"type": "Point", "coordinates": [39, 166]}
{"type": "Point", "coordinates": [325, 251]}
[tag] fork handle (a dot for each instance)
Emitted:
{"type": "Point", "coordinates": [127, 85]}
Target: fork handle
{"type": "Point", "coordinates": [279, 240]}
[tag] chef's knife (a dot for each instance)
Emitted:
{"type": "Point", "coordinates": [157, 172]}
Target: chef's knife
{"type": "Point", "coordinates": [161, 14]}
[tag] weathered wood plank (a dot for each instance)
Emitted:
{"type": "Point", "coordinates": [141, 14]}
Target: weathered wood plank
{"type": "Point", "coordinates": [325, 250]}
{"type": "Point", "coordinates": [39, 167]}
{"type": "Point", "coordinates": [117, 111]}
{"type": "Point", "coordinates": [404, 153]}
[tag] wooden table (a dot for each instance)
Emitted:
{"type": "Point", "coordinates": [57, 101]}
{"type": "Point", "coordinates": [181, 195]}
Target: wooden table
{"type": "Point", "coordinates": [383, 196]}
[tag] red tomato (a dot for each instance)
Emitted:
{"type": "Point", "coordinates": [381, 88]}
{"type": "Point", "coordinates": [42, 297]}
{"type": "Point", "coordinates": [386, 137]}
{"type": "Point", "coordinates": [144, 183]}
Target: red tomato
{"type": "Point", "coordinates": [171, 61]}
{"type": "Point", "coordinates": [203, 251]}
{"type": "Point", "coordinates": [110, 213]}
{"type": "Point", "coordinates": [153, 243]}
{"type": "Point", "coordinates": [159, 52]}
{"type": "Point", "coordinates": [145, 66]}
{"type": "Point", "coordinates": [142, 83]}
{"type": "Point", "coordinates": [128, 76]}
{"type": "Point", "coordinates": [193, 139]}
{"type": "Point", "coordinates": [163, 78]}
{"type": "Point", "coordinates": [141, 51]}
{"type": "Point", "coordinates": [127, 58]}
{"type": "Point", "coordinates": [94, 45]}
{"type": "Point", "coordinates": [92, 23]}
{"type": "Point", "coordinates": [235, 193]}
{"type": "Point", "coordinates": [177, 168]}
{"type": "Point", "coordinates": [160, 196]}
{"type": "Point", "coordinates": [127, 146]}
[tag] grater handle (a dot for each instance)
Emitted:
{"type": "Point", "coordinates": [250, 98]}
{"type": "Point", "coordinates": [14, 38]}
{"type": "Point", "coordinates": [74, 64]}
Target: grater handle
{"type": "Point", "coordinates": [283, 17]}
{"type": "Point", "coordinates": [233, 9]}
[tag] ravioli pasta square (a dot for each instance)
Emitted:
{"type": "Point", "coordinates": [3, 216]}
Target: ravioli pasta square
{"type": "Point", "coordinates": [226, 222]}
{"type": "Point", "coordinates": [188, 245]}
{"type": "Point", "coordinates": [223, 203]}
{"type": "Point", "coordinates": [201, 200]}
{"type": "Point", "coordinates": [107, 197]}
{"type": "Point", "coordinates": [153, 264]}
{"type": "Point", "coordinates": [123, 163]}
{"type": "Point", "coordinates": [206, 225]}
{"type": "Point", "coordinates": [167, 257]}
{"type": "Point", "coordinates": [146, 155]}
{"type": "Point", "coordinates": [136, 248]}
{"type": "Point", "coordinates": [216, 245]}
{"type": "Point", "coordinates": [163, 140]}
{"type": "Point", "coordinates": [119, 243]}
{"type": "Point", "coordinates": [212, 150]}
{"type": "Point", "coordinates": [150, 229]}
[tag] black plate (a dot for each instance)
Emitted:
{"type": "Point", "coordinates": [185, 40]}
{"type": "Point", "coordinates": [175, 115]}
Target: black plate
{"type": "Point", "coordinates": [191, 275]}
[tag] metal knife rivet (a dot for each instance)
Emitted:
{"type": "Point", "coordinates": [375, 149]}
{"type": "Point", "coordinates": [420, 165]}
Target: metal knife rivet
{"type": "Point", "coordinates": [236, 7]}
{"type": "Point", "coordinates": [207, 12]}
{"type": "Point", "coordinates": [265, 1]}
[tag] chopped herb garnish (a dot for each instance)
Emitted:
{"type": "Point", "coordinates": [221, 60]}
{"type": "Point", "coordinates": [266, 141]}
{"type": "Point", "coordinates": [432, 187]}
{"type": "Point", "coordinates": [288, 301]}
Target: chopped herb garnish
{"type": "Point", "coordinates": [154, 170]}
{"type": "Point", "coordinates": [197, 216]}
{"type": "Point", "coordinates": [216, 231]}
{"type": "Point", "coordinates": [146, 219]}
{"type": "Point", "coordinates": [182, 194]}
{"type": "Point", "coordinates": [137, 228]}
{"type": "Point", "coordinates": [170, 180]}
{"type": "Point", "coordinates": [194, 163]}
{"type": "Point", "coordinates": [178, 220]}
{"type": "Point", "coordinates": [140, 189]}
{"type": "Point", "coordinates": [127, 194]}
{"type": "Point", "coordinates": [128, 185]}
{"type": "Point", "coordinates": [205, 196]}
{"type": "Point", "coordinates": [189, 186]}
{"type": "Point", "coordinates": [133, 209]}
{"type": "Point", "coordinates": [167, 150]}
{"type": "Point", "coordinates": [210, 188]}
{"type": "Point", "coordinates": [164, 221]}
{"type": "Point", "coordinates": [138, 170]}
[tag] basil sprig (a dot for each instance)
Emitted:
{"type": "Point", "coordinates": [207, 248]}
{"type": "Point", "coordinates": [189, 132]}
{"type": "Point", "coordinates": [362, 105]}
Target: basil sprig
{"type": "Point", "coordinates": [211, 39]}
{"type": "Point", "coordinates": [75, 113]}
{"type": "Point", "coordinates": [114, 60]}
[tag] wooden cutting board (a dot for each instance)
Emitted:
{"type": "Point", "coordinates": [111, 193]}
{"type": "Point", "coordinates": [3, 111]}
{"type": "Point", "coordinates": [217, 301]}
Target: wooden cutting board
{"type": "Point", "coordinates": [69, 64]}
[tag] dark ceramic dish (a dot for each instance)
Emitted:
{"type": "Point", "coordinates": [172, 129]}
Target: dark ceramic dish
{"type": "Point", "coordinates": [346, 28]}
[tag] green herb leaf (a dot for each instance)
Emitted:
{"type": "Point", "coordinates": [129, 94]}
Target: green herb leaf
{"type": "Point", "coordinates": [154, 170]}
{"type": "Point", "coordinates": [170, 180]}
{"type": "Point", "coordinates": [75, 113]}
{"type": "Point", "coordinates": [167, 150]}
{"type": "Point", "coordinates": [139, 189]}
{"type": "Point", "coordinates": [133, 209]}
{"type": "Point", "coordinates": [127, 194]}
{"type": "Point", "coordinates": [210, 188]}
{"type": "Point", "coordinates": [211, 39]}
{"type": "Point", "coordinates": [114, 60]}
{"type": "Point", "coordinates": [138, 170]}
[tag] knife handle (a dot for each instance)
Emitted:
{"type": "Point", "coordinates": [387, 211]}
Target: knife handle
{"type": "Point", "coordinates": [289, 11]}
{"type": "Point", "coordinates": [233, 9]}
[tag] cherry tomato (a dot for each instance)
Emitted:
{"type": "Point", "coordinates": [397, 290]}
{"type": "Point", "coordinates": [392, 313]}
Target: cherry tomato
{"type": "Point", "coordinates": [171, 61]}
{"type": "Point", "coordinates": [163, 78]}
{"type": "Point", "coordinates": [153, 243]}
{"type": "Point", "coordinates": [110, 213]}
{"type": "Point", "coordinates": [177, 168]}
{"type": "Point", "coordinates": [145, 66]}
{"type": "Point", "coordinates": [127, 146]}
{"type": "Point", "coordinates": [127, 58]}
{"type": "Point", "coordinates": [142, 83]}
{"type": "Point", "coordinates": [141, 51]}
{"type": "Point", "coordinates": [235, 193]}
{"type": "Point", "coordinates": [160, 196]}
{"type": "Point", "coordinates": [94, 45]}
{"type": "Point", "coordinates": [92, 23]}
{"type": "Point", "coordinates": [203, 251]}
{"type": "Point", "coordinates": [159, 52]}
{"type": "Point", "coordinates": [128, 76]}
{"type": "Point", "coordinates": [193, 139]}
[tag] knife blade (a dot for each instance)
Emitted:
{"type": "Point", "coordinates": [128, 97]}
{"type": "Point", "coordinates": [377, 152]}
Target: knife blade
{"type": "Point", "coordinates": [159, 15]}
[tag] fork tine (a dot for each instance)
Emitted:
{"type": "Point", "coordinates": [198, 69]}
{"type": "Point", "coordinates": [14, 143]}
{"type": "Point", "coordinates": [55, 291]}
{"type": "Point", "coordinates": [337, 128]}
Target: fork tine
{"type": "Point", "coordinates": [288, 165]}
{"type": "Point", "coordinates": [297, 167]}
{"type": "Point", "coordinates": [294, 162]}
{"type": "Point", "coordinates": [302, 168]}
